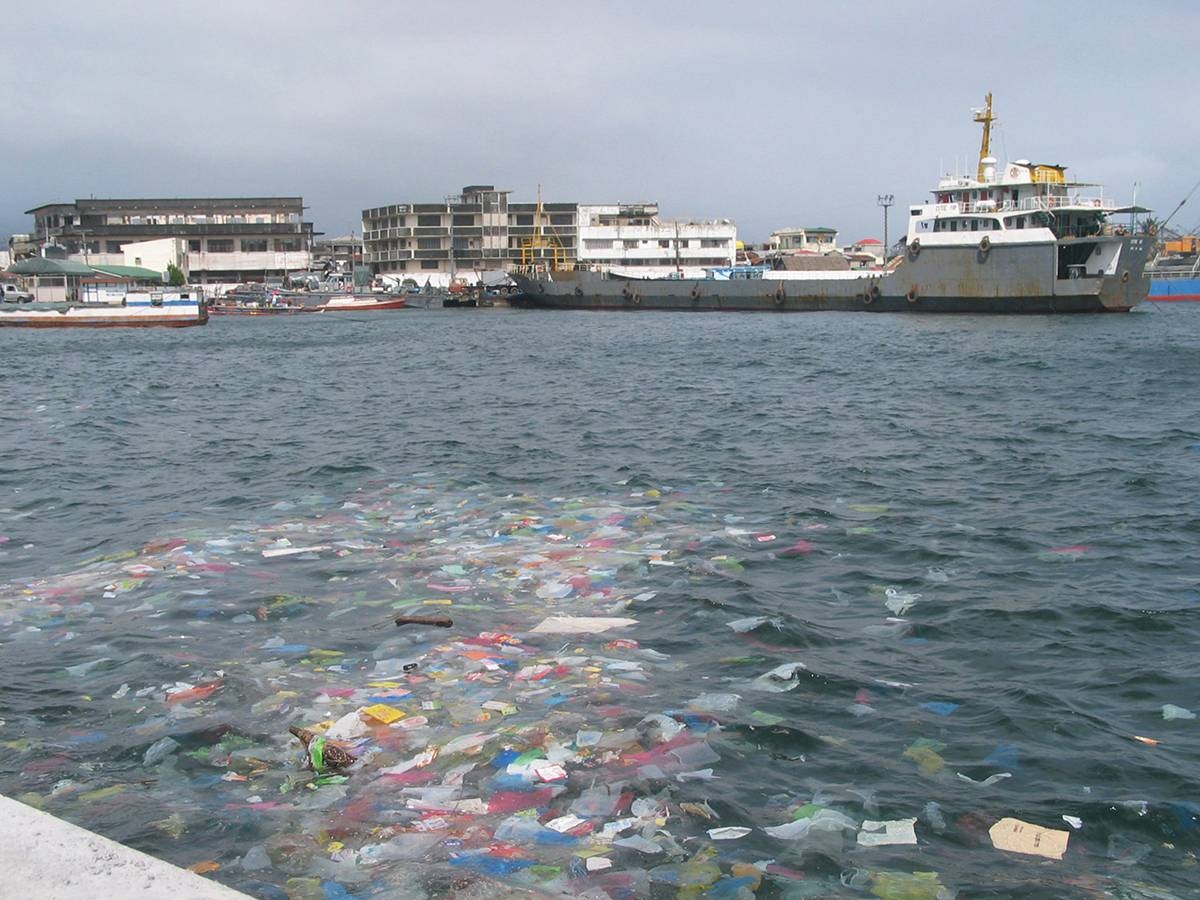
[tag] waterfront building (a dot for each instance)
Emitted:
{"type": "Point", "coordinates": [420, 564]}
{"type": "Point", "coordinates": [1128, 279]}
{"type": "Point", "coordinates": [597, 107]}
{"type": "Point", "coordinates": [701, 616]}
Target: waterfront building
{"type": "Point", "coordinates": [817, 239]}
{"type": "Point", "coordinates": [631, 236]}
{"type": "Point", "coordinates": [232, 239]}
{"type": "Point", "coordinates": [484, 230]}
{"type": "Point", "coordinates": [338, 254]}
{"type": "Point", "coordinates": [465, 235]}
{"type": "Point", "coordinates": [865, 253]}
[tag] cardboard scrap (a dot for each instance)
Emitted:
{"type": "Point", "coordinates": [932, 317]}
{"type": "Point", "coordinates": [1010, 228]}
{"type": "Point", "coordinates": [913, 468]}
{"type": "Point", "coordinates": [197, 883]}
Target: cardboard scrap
{"type": "Point", "coordinates": [1016, 836]}
{"type": "Point", "coordinates": [580, 624]}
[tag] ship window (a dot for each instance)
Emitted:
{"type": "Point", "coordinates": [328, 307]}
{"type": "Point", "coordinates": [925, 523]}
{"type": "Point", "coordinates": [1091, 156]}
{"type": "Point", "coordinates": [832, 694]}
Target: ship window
{"type": "Point", "coordinates": [1020, 220]}
{"type": "Point", "coordinates": [954, 224]}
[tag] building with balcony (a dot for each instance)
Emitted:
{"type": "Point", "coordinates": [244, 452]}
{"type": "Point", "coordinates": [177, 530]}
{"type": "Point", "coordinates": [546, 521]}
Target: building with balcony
{"type": "Point", "coordinates": [465, 235]}
{"type": "Point", "coordinates": [232, 239]}
{"type": "Point", "coordinates": [343, 253]}
{"type": "Point", "coordinates": [804, 240]}
{"type": "Point", "coordinates": [631, 236]}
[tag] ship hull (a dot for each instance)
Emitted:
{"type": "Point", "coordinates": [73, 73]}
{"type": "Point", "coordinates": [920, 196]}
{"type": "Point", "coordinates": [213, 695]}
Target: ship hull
{"type": "Point", "coordinates": [1165, 290]}
{"type": "Point", "coordinates": [1004, 279]}
{"type": "Point", "coordinates": [167, 313]}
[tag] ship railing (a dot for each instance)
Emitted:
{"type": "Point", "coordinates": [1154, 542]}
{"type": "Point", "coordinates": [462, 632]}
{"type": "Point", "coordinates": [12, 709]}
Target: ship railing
{"type": "Point", "coordinates": [543, 268]}
{"type": "Point", "coordinates": [1174, 273]}
{"type": "Point", "coordinates": [1029, 204]}
{"type": "Point", "coordinates": [1106, 229]}
{"type": "Point", "coordinates": [1058, 201]}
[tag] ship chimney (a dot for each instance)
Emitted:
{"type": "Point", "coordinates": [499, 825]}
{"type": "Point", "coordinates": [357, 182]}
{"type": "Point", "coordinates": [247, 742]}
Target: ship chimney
{"type": "Point", "coordinates": [987, 166]}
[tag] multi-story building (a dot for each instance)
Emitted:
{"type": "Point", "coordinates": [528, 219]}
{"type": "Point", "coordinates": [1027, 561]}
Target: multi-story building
{"type": "Point", "coordinates": [483, 230]}
{"type": "Point", "coordinates": [476, 231]}
{"type": "Point", "coordinates": [804, 240]}
{"type": "Point", "coordinates": [631, 236]}
{"type": "Point", "coordinates": [338, 254]}
{"type": "Point", "coordinates": [228, 239]}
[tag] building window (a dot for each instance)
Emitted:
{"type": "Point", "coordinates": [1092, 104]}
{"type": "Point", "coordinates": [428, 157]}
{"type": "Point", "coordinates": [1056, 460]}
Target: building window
{"type": "Point", "coordinates": [254, 245]}
{"type": "Point", "coordinates": [113, 247]}
{"type": "Point", "coordinates": [562, 219]}
{"type": "Point", "coordinates": [464, 220]}
{"type": "Point", "coordinates": [288, 245]}
{"type": "Point", "coordinates": [524, 218]}
{"type": "Point", "coordinates": [429, 264]}
{"type": "Point", "coordinates": [429, 221]}
{"type": "Point", "coordinates": [429, 243]}
{"type": "Point", "coordinates": [193, 246]}
{"type": "Point", "coordinates": [631, 245]}
{"type": "Point", "coordinates": [220, 245]}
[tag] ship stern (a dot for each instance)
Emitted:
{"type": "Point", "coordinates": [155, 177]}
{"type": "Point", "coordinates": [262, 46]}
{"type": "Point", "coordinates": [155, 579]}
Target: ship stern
{"type": "Point", "coordinates": [1130, 283]}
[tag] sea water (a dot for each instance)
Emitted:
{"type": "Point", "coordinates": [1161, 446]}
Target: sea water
{"type": "Point", "coordinates": [880, 568]}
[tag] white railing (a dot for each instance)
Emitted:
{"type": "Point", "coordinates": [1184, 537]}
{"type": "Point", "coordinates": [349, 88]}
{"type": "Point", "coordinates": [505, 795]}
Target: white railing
{"type": "Point", "coordinates": [1027, 204]}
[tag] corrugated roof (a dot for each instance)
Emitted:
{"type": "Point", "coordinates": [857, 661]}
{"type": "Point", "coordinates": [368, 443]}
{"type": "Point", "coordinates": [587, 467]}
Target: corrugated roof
{"type": "Point", "coordinates": [39, 265]}
{"type": "Point", "coordinates": [130, 272]}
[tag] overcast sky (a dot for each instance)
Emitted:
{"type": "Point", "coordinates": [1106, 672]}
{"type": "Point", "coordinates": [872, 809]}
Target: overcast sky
{"type": "Point", "coordinates": [769, 113]}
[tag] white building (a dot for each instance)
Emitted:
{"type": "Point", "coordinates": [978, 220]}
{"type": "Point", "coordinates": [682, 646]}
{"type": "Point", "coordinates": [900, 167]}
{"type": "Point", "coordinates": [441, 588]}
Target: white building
{"type": "Point", "coordinates": [227, 239]}
{"type": "Point", "coordinates": [631, 238]}
{"type": "Point", "coordinates": [818, 239]}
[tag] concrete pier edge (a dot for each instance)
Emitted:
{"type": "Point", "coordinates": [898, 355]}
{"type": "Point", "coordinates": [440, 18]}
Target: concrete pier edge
{"type": "Point", "coordinates": [50, 859]}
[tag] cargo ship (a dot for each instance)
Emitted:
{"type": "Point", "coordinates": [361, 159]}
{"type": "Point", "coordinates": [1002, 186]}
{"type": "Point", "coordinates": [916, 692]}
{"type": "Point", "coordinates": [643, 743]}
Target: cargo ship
{"type": "Point", "coordinates": [1016, 238]}
{"type": "Point", "coordinates": [1175, 275]}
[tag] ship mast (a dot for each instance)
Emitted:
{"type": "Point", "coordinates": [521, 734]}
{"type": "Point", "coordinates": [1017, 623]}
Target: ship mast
{"type": "Point", "coordinates": [985, 118]}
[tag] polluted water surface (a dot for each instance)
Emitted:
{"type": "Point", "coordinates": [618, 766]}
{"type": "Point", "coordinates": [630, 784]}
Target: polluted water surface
{"type": "Point", "coordinates": [439, 688]}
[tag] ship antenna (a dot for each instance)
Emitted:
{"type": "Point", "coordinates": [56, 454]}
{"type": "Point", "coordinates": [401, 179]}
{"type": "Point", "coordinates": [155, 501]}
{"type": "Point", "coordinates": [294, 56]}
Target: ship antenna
{"type": "Point", "coordinates": [985, 118]}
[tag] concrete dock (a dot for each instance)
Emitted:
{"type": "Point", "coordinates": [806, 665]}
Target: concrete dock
{"type": "Point", "coordinates": [50, 859]}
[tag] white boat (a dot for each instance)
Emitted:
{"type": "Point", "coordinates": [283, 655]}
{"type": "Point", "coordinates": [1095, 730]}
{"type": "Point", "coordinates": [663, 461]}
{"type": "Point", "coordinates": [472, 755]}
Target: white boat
{"type": "Point", "coordinates": [166, 307]}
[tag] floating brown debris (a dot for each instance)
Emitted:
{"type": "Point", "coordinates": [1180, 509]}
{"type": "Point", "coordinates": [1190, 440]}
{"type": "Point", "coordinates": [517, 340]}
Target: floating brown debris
{"type": "Point", "coordinates": [322, 754]}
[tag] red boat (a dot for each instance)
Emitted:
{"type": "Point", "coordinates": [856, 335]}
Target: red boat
{"type": "Point", "coordinates": [358, 303]}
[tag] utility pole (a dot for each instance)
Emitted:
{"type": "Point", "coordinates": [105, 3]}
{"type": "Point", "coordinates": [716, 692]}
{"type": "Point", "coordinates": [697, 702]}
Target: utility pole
{"type": "Point", "coordinates": [885, 200]}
